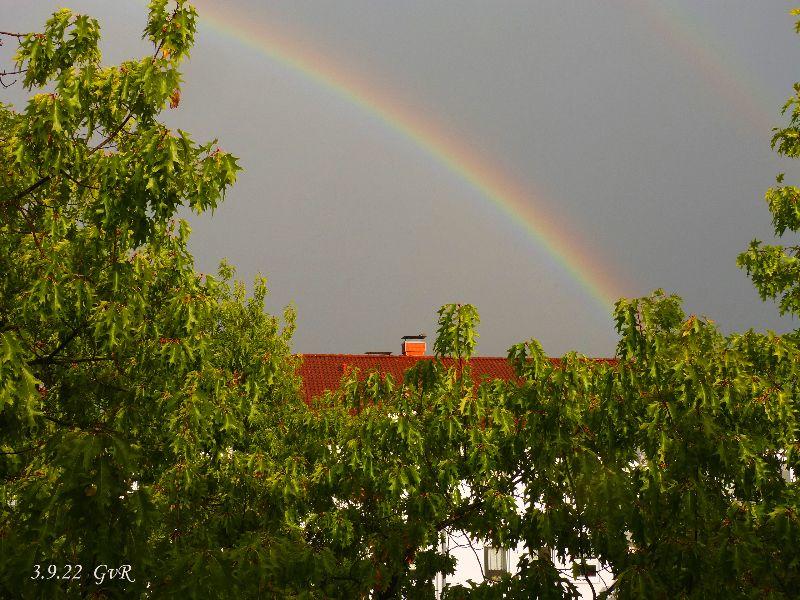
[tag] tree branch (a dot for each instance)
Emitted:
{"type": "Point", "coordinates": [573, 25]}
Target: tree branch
{"type": "Point", "coordinates": [7, 74]}
{"type": "Point", "coordinates": [113, 134]}
{"type": "Point", "coordinates": [31, 189]}
{"type": "Point", "coordinates": [609, 590]}
{"type": "Point", "coordinates": [78, 183]}
{"type": "Point", "coordinates": [87, 359]}
{"type": "Point", "coordinates": [60, 347]}
{"type": "Point", "coordinates": [460, 514]}
{"type": "Point", "coordinates": [58, 421]}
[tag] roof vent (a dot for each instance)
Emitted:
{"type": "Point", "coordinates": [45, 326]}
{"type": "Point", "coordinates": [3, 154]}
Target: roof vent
{"type": "Point", "coordinates": [414, 345]}
{"type": "Point", "coordinates": [378, 353]}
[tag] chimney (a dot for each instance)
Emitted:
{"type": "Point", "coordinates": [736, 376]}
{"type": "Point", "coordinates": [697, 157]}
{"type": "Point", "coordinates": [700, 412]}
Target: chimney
{"type": "Point", "coordinates": [414, 345]}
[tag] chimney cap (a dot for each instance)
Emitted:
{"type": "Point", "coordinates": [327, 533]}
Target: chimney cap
{"type": "Point", "coordinates": [420, 336]}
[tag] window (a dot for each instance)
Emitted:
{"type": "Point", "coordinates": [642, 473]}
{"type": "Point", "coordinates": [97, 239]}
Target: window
{"type": "Point", "coordinates": [583, 569]}
{"type": "Point", "coordinates": [495, 562]}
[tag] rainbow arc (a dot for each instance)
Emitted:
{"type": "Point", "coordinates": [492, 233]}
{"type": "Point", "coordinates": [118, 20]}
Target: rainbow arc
{"type": "Point", "coordinates": [524, 206]}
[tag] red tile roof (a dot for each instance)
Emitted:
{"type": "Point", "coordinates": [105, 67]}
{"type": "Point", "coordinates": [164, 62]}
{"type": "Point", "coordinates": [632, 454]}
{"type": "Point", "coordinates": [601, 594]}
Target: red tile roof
{"type": "Point", "coordinates": [321, 372]}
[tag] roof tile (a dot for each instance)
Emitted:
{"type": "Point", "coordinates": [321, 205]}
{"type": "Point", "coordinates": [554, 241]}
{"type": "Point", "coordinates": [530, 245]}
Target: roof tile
{"type": "Point", "coordinates": [323, 372]}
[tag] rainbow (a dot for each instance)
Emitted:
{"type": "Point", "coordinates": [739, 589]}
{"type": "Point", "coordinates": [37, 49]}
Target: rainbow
{"type": "Point", "coordinates": [524, 208]}
{"type": "Point", "coordinates": [698, 48]}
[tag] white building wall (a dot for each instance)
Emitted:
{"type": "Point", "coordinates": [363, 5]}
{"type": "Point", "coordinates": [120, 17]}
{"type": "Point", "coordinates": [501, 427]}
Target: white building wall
{"type": "Point", "coordinates": [469, 554]}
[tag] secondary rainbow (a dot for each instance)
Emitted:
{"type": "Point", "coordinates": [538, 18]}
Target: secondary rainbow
{"type": "Point", "coordinates": [515, 202]}
{"type": "Point", "coordinates": [735, 87]}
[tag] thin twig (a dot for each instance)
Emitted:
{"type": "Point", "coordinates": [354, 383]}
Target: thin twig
{"type": "Point", "coordinates": [477, 559]}
{"type": "Point", "coordinates": [58, 421]}
{"type": "Point", "coordinates": [113, 134]}
{"type": "Point", "coordinates": [61, 346]}
{"type": "Point", "coordinates": [32, 227]}
{"type": "Point", "coordinates": [78, 183]}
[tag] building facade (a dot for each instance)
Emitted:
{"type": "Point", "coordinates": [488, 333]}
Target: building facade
{"type": "Point", "coordinates": [475, 560]}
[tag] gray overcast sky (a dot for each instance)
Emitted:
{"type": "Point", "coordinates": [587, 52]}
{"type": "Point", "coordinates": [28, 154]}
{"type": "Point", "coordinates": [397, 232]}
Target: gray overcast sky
{"type": "Point", "coordinates": [645, 123]}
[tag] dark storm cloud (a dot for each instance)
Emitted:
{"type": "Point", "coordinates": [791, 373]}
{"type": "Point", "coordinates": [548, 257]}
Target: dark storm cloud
{"type": "Point", "coordinates": [649, 159]}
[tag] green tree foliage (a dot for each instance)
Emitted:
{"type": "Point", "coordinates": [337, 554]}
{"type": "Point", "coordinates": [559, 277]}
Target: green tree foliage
{"type": "Point", "coordinates": [775, 269]}
{"type": "Point", "coordinates": [150, 415]}
{"type": "Point", "coordinates": [141, 402]}
{"type": "Point", "coordinates": [670, 464]}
